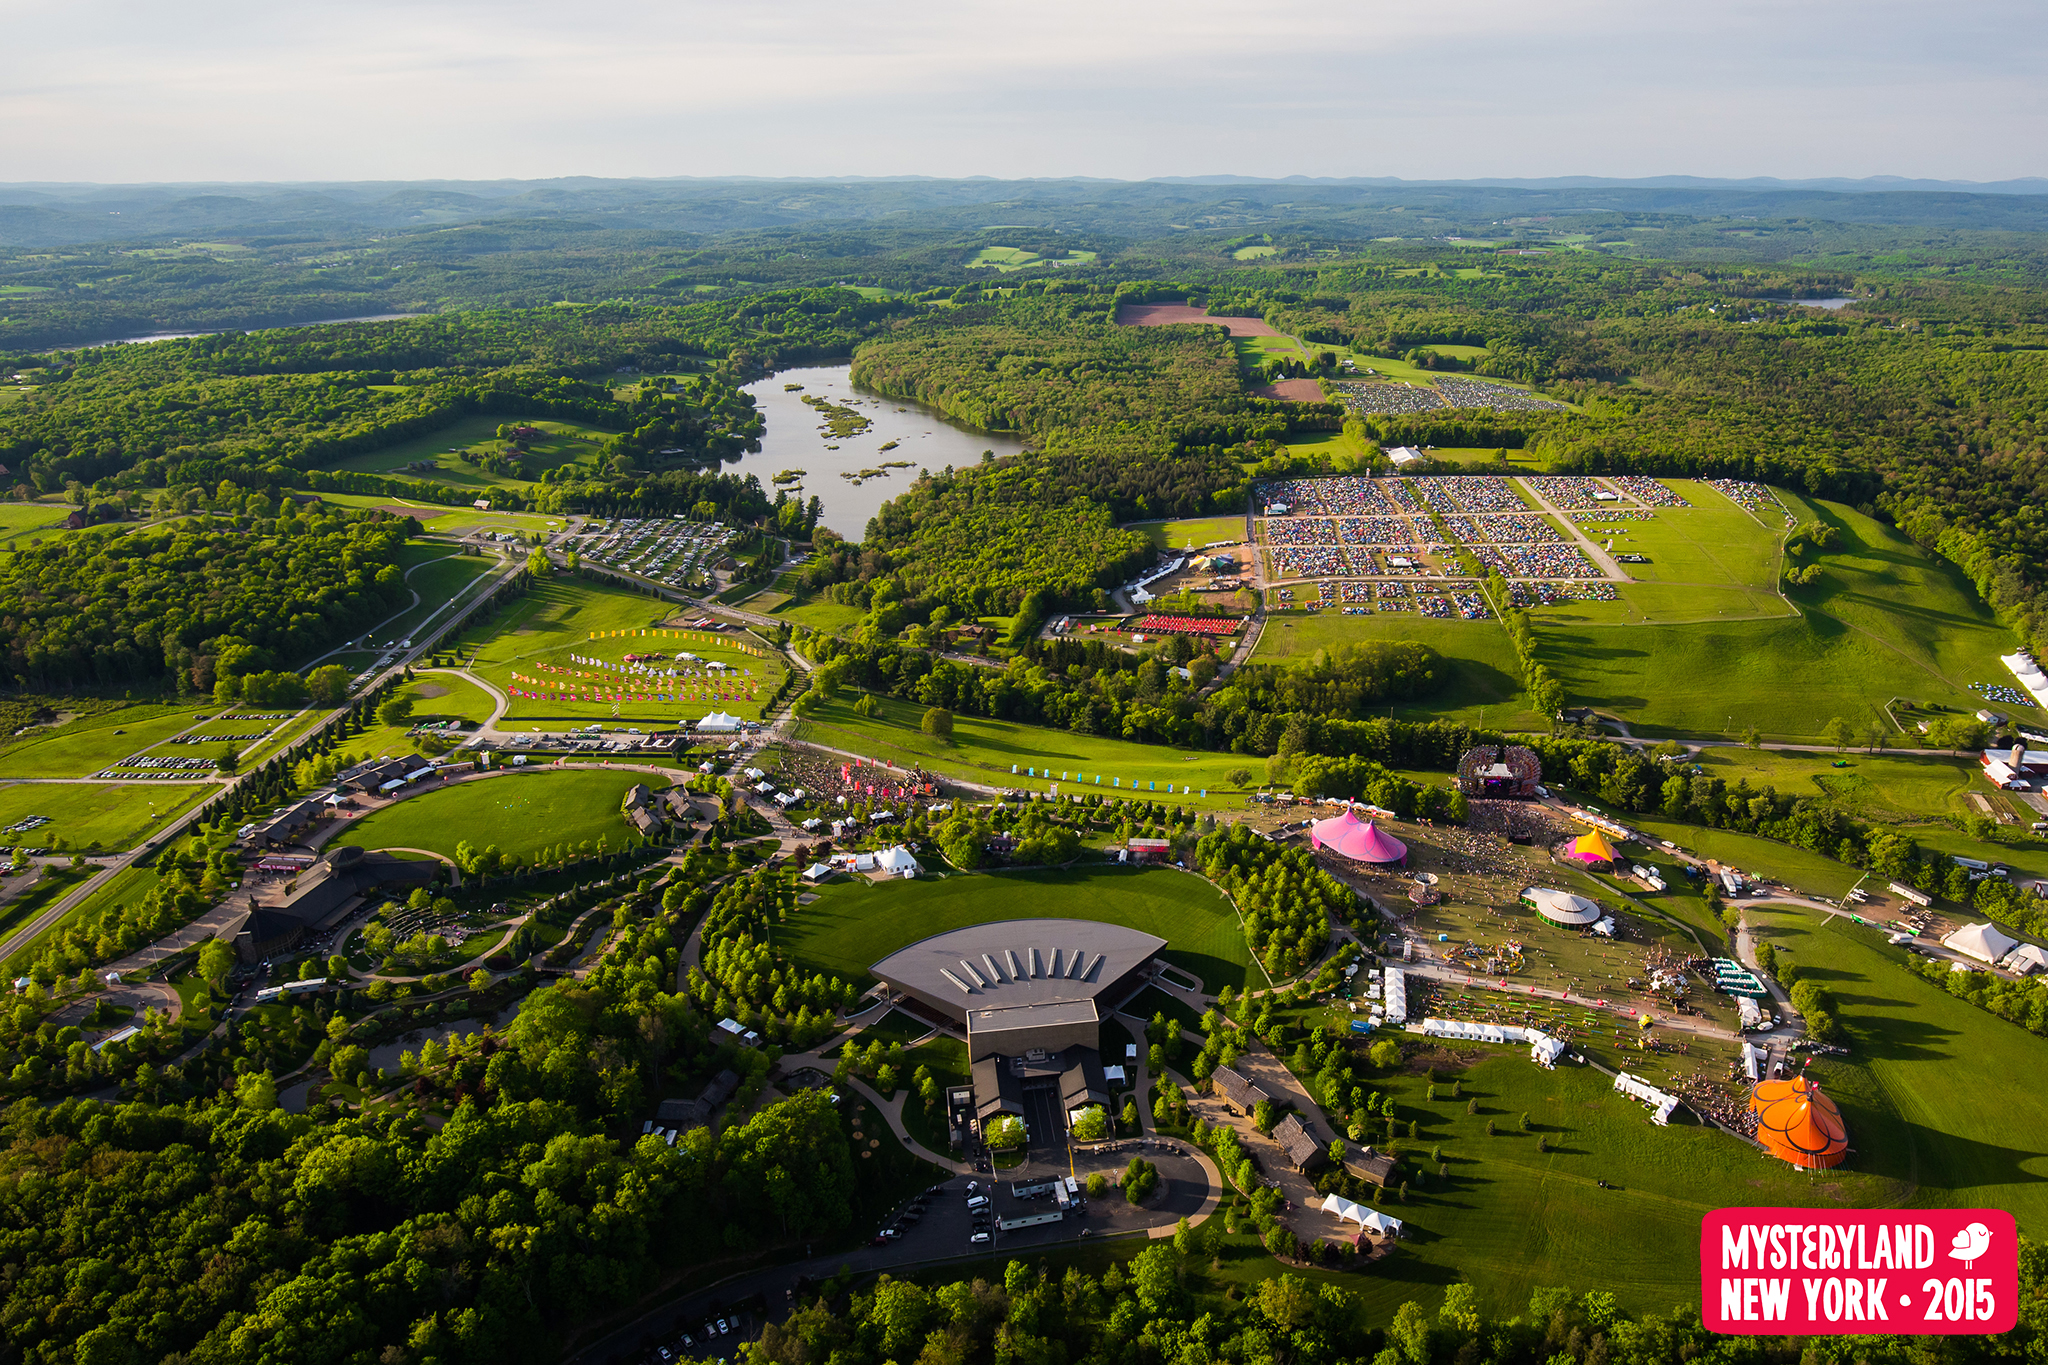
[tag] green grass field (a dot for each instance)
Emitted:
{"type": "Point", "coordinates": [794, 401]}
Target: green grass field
{"type": "Point", "coordinates": [1510, 1219]}
{"type": "Point", "coordinates": [1922, 1064]}
{"type": "Point", "coordinates": [1883, 787]}
{"type": "Point", "coordinates": [82, 747]}
{"type": "Point", "coordinates": [1185, 535]}
{"type": "Point", "coordinates": [55, 884]}
{"type": "Point", "coordinates": [442, 695]}
{"type": "Point", "coordinates": [556, 620]}
{"type": "Point", "coordinates": [521, 812]}
{"type": "Point", "coordinates": [852, 925]}
{"type": "Point", "coordinates": [567, 443]}
{"type": "Point", "coordinates": [1519, 461]}
{"type": "Point", "coordinates": [1484, 680]}
{"type": "Point", "coordinates": [1885, 621]}
{"type": "Point", "coordinates": [106, 815]}
{"type": "Point", "coordinates": [1008, 258]}
{"type": "Point", "coordinates": [23, 518]}
{"type": "Point", "coordinates": [821, 615]}
{"type": "Point", "coordinates": [450, 520]}
{"type": "Point", "coordinates": [984, 751]}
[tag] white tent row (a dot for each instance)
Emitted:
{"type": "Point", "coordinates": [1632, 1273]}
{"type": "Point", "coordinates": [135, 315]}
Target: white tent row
{"type": "Point", "coordinates": [1544, 1050]}
{"type": "Point", "coordinates": [1660, 1103]}
{"type": "Point", "coordinates": [1484, 1033]}
{"type": "Point", "coordinates": [2029, 674]}
{"type": "Point", "coordinates": [1395, 993]}
{"type": "Point", "coordinates": [1753, 1059]}
{"type": "Point", "coordinates": [1371, 1219]}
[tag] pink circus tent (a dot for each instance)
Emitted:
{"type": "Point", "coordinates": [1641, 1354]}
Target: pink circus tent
{"type": "Point", "coordinates": [1362, 841]}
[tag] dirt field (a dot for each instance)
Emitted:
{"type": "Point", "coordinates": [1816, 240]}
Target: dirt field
{"type": "Point", "coordinates": [1292, 391]}
{"type": "Point", "coordinates": [1166, 314]}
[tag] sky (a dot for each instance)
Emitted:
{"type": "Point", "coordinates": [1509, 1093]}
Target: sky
{"type": "Point", "coordinates": [120, 91]}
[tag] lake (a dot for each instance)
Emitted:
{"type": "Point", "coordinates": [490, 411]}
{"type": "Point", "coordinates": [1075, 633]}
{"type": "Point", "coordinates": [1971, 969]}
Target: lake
{"type": "Point", "coordinates": [1829, 304]}
{"type": "Point", "coordinates": [795, 440]}
{"type": "Point", "coordinates": [180, 336]}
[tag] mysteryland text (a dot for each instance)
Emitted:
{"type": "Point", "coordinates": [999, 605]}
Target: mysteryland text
{"type": "Point", "coordinates": [1798, 1272]}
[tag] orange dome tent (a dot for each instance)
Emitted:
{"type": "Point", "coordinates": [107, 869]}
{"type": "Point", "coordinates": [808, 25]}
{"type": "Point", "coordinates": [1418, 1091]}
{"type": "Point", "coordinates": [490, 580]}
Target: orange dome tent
{"type": "Point", "coordinates": [1797, 1123]}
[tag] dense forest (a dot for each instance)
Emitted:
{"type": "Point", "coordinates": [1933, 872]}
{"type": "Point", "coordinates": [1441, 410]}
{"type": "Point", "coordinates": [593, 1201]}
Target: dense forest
{"type": "Point", "coordinates": [197, 1222]}
{"type": "Point", "coordinates": [242, 589]}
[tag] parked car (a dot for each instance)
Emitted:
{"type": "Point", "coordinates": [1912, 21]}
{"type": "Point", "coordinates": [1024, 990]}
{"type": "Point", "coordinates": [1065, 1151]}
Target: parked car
{"type": "Point", "coordinates": [978, 1238]}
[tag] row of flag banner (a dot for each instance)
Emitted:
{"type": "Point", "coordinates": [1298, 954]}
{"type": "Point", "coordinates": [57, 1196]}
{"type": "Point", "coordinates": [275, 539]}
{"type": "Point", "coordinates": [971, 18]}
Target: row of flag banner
{"type": "Point", "coordinates": [701, 636]}
{"type": "Point", "coordinates": [614, 678]}
{"type": "Point", "coordinates": [1097, 780]}
{"type": "Point", "coordinates": [694, 694]}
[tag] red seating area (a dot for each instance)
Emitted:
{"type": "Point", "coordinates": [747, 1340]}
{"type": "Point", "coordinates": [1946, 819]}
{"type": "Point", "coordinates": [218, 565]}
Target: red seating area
{"type": "Point", "coordinates": [1185, 625]}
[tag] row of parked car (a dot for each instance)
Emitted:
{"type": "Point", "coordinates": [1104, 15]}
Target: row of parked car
{"type": "Point", "coordinates": [687, 1343]}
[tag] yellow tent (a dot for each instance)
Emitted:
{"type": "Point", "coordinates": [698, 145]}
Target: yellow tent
{"type": "Point", "coordinates": [1594, 848]}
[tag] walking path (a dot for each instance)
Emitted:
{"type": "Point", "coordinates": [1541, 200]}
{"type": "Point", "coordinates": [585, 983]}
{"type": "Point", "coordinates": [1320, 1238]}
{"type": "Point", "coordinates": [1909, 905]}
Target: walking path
{"type": "Point", "coordinates": [1608, 566]}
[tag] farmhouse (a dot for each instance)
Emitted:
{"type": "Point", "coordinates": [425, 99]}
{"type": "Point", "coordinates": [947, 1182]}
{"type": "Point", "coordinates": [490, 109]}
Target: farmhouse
{"type": "Point", "coordinates": [1304, 1153]}
{"type": "Point", "coordinates": [1241, 1094]}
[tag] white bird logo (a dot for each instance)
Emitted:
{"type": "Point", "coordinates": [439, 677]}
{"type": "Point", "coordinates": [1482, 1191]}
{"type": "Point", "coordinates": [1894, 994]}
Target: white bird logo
{"type": "Point", "coordinates": [1972, 1242]}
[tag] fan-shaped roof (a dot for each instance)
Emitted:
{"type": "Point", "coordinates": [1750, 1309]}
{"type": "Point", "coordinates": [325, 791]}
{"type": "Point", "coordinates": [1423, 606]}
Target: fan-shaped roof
{"type": "Point", "coordinates": [1362, 841]}
{"type": "Point", "coordinates": [1797, 1123]}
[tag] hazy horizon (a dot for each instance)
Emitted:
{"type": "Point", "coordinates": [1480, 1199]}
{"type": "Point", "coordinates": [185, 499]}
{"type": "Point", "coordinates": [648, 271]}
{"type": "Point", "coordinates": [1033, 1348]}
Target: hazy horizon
{"type": "Point", "coordinates": [225, 92]}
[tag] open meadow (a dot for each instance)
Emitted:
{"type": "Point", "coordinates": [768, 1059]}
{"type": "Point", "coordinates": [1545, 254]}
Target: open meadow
{"type": "Point", "coordinates": [983, 750]}
{"type": "Point", "coordinates": [94, 815]}
{"type": "Point", "coordinates": [82, 747]}
{"type": "Point", "coordinates": [450, 520]}
{"type": "Point", "coordinates": [521, 811]}
{"type": "Point", "coordinates": [1192, 534]}
{"type": "Point", "coordinates": [1885, 621]}
{"type": "Point", "coordinates": [854, 923]}
{"type": "Point", "coordinates": [1927, 1089]}
{"type": "Point", "coordinates": [1483, 683]}
{"type": "Point", "coordinates": [1510, 1219]}
{"type": "Point", "coordinates": [562, 444]}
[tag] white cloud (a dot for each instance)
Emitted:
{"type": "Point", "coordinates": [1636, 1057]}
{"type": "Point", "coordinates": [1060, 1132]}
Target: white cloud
{"type": "Point", "coordinates": [441, 88]}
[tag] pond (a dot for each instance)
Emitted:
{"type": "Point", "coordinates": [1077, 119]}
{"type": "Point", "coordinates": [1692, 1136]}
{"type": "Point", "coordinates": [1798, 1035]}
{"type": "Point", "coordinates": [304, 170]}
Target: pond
{"type": "Point", "coordinates": [1830, 304]}
{"type": "Point", "coordinates": [851, 475]}
{"type": "Point", "coordinates": [179, 336]}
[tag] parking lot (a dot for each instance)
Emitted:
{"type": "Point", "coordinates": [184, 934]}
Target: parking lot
{"type": "Point", "coordinates": [940, 1232]}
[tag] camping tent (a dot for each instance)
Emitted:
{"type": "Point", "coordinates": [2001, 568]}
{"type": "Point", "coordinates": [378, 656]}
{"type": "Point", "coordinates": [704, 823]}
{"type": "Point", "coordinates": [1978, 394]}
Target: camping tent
{"type": "Point", "coordinates": [1362, 841]}
{"type": "Point", "coordinates": [1797, 1123]}
{"type": "Point", "coordinates": [718, 723]}
{"type": "Point", "coordinates": [1981, 941]}
{"type": "Point", "coordinates": [1592, 847]}
{"type": "Point", "coordinates": [1560, 907]}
